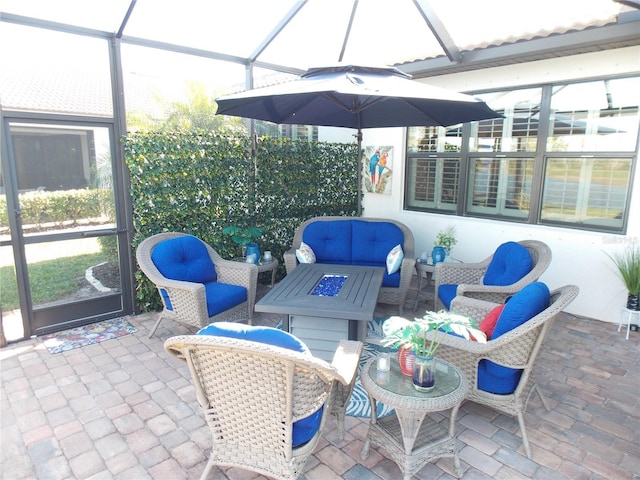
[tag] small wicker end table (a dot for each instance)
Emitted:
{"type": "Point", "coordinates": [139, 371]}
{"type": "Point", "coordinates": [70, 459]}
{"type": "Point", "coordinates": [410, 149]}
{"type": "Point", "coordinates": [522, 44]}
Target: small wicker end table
{"type": "Point", "coordinates": [424, 271]}
{"type": "Point", "coordinates": [271, 266]}
{"type": "Point", "coordinates": [410, 436]}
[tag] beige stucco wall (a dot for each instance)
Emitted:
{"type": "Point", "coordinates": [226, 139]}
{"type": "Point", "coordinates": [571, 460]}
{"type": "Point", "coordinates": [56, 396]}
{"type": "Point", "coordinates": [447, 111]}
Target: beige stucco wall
{"type": "Point", "coordinates": [578, 257]}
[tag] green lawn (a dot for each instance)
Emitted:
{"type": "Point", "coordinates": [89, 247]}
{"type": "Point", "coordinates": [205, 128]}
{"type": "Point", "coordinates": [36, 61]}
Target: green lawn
{"type": "Point", "coordinates": [50, 279]}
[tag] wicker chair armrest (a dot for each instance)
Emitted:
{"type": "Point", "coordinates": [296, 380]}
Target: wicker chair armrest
{"type": "Point", "coordinates": [465, 288]}
{"type": "Point", "coordinates": [346, 359]}
{"type": "Point", "coordinates": [471, 307]}
{"type": "Point", "coordinates": [408, 265]}
{"type": "Point", "coordinates": [458, 273]}
{"type": "Point", "coordinates": [169, 284]}
{"type": "Point", "coordinates": [236, 273]}
{"type": "Point", "coordinates": [452, 341]}
{"type": "Point", "coordinates": [290, 260]}
{"type": "Point", "coordinates": [490, 293]}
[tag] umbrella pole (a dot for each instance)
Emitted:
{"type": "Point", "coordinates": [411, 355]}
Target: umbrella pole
{"type": "Point", "coordinates": [359, 138]}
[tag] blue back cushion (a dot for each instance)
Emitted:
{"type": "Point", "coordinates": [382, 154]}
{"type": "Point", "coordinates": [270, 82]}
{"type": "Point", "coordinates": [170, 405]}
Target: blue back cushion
{"type": "Point", "coordinates": [184, 258]}
{"type": "Point", "coordinates": [268, 335]}
{"type": "Point", "coordinates": [511, 261]}
{"type": "Point", "coordinates": [523, 306]}
{"type": "Point", "coordinates": [304, 429]}
{"type": "Point", "coordinates": [330, 241]}
{"type": "Point", "coordinates": [372, 242]}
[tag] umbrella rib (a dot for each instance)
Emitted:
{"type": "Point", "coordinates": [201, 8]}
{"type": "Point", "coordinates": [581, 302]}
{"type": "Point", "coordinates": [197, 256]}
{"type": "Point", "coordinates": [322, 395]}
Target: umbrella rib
{"type": "Point", "coordinates": [288, 116]}
{"type": "Point", "coordinates": [356, 106]}
{"type": "Point", "coordinates": [421, 111]}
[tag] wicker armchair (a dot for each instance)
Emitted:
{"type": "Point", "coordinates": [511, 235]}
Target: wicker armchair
{"type": "Point", "coordinates": [468, 276]}
{"type": "Point", "coordinates": [516, 349]}
{"type": "Point", "coordinates": [252, 394]}
{"type": "Point", "coordinates": [186, 301]}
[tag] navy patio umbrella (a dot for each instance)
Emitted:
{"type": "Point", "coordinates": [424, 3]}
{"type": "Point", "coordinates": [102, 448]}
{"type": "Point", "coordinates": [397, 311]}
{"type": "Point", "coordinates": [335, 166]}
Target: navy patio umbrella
{"type": "Point", "coordinates": [356, 97]}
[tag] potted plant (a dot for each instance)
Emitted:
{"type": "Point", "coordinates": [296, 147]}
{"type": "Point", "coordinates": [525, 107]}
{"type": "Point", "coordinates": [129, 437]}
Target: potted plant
{"type": "Point", "coordinates": [443, 244]}
{"type": "Point", "coordinates": [245, 238]}
{"type": "Point", "coordinates": [412, 335]}
{"type": "Point", "coordinates": [628, 263]}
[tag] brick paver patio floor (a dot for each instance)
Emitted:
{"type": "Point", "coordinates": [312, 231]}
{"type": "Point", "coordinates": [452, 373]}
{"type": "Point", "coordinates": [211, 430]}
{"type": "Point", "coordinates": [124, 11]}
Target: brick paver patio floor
{"type": "Point", "coordinates": [125, 409]}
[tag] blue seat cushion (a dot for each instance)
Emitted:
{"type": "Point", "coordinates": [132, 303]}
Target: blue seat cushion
{"type": "Point", "coordinates": [305, 428]}
{"type": "Point", "coordinates": [219, 297]}
{"type": "Point", "coordinates": [184, 258]}
{"type": "Point", "coordinates": [523, 306]}
{"type": "Point", "coordinates": [511, 261]}
{"type": "Point", "coordinates": [223, 296]}
{"type": "Point", "coordinates": [446, 293]}
{"type": "Point", "coordinates": [392, 280]}
{"type": "Point", "coordinates": [494, 378]}
{"type": "Point", "coordinates": [330, 241]}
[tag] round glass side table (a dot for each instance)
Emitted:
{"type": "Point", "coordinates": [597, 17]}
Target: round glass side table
{"type": "Point", "coordinates": [410, 436]}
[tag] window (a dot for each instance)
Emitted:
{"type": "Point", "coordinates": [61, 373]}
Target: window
{"type": "Point", "coordinates": [517, 131]}
{"type": "Point", "coordinates": [500, 186]}
{"type": "Point", "coordinates": [588, 191]}
{"type": "Point", "coordinates": [437, 174]}
{"type": "Point", "coordinates": [435, 139]}
{"type": "Point", "coordinates": [560, 155]}
{"type": "Point", "coordinates": [594, 116]}
{"type": "Point", "coordinates": [436, 182]}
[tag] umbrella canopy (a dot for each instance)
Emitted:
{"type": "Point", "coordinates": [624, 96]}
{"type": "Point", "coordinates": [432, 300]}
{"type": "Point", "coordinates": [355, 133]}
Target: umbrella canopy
{"type": "Point", "coordinates": [355, 97]}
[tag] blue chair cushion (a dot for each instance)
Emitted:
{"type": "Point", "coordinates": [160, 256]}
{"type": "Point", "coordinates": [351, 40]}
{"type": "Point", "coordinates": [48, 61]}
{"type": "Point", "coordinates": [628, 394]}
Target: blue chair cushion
{"type": "Point", "coordinates": [372, 242]}
{"type": "Point", "coordinates": [184, 258]}
{"type": "Point", "coordinates": [330, 241]}
{"type": "Point", "coordinates": [392, 280]}
{"type": "Point", "coordinates": [523, 306]}
{"type": "Point", "coordinates": [494, 378]}
{"type": "Point", "coordinates": [304, 429]}
{"type": "Point", "coordinates": [511, 261]}
{"type": "Point", "coordinates": [223, 296]}
{"type": "Point", "coordinates": [268, 335]}
{"type": "Point", "coordinates": [446, 293]}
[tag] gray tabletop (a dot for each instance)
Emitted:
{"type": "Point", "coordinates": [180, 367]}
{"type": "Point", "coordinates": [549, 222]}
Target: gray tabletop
{"type": "Point", "coordinates": [356, 300]}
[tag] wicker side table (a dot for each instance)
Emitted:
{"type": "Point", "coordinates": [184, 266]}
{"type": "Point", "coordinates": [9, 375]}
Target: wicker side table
{"type": "Point", "coordinates": [264, 267]}
{"type": "Point", "coordinates": [424, 271]}
{"type": "Point", "coordinates": [410, 436]}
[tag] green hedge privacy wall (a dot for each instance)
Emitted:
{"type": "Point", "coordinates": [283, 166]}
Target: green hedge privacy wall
{"type": "Point", "coordinates": [201, 182]}
{"type": "Point", "coordinates": [40, 209]}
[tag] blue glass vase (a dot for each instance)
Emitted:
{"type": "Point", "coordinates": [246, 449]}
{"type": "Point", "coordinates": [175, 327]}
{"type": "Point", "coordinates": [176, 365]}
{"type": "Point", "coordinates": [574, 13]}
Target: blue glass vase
{"type": "Point", "coordinates": [424, 373]}
{"type": "Point", "coordinates": [252, 248]}
{"type": "Point", "coordinates": [438, 254]}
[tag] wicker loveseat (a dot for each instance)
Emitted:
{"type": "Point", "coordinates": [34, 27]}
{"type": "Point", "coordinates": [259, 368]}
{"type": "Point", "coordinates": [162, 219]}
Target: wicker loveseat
{"type": "Point", "coordinates": [359, 241]}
